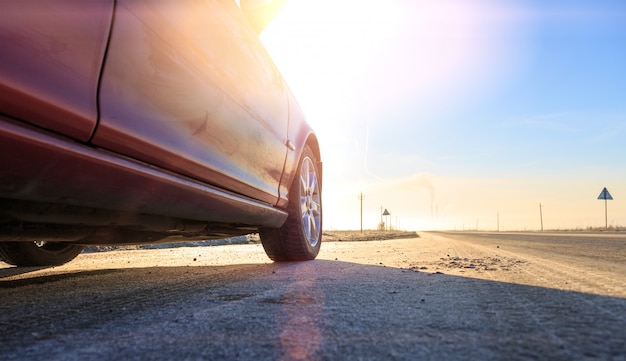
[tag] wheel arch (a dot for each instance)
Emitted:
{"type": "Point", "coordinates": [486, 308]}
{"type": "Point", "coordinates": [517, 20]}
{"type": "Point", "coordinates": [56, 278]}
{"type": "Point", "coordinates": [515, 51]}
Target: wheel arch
{"type": "Point", "coordinates": [304, 139]}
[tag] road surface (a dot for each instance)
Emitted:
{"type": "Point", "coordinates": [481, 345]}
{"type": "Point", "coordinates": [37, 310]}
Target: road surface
{"type": "Point", "coordinates": [452, 296]}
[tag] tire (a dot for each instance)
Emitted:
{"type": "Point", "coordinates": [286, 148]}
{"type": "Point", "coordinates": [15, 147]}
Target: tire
{"type": "Point", "coordinates": [28, 254]}
{"type": "Point", "coordinates": [300, 237]}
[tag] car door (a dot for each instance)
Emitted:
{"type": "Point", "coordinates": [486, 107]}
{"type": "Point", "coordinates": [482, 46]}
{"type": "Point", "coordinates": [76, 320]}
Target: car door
{"type": "Point", "coordinates": [51, 55]}
{"type": "Point", "coordinates": [188, 87]}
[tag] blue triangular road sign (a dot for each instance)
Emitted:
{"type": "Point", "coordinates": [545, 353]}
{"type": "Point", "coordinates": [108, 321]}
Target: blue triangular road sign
{"type": "Point", "coordinates": [605, 195]}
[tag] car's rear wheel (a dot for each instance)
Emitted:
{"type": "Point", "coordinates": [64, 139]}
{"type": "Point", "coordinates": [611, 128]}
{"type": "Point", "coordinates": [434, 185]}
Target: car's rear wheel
{"type": "Point", "coordinates": [300, 237]}
{"type": "Point", "coordinates": [38, 253]}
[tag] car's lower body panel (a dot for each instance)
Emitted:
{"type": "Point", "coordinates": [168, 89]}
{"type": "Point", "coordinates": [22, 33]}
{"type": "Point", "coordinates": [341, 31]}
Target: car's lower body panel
{"type": "Point", "coordinates": [45, 169]}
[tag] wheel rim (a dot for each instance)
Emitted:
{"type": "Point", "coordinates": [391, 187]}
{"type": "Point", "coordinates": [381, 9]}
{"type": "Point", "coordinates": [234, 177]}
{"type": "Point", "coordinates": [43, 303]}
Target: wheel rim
{"type": "Point", "coordinates": [52, 247]}
{"type": "Point", "coordinates": [310, 202]}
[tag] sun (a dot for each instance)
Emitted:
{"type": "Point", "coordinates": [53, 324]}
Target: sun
{"type": "Point", "coordinates": [327, 51]}
{"type": "Point", "coordinates": [322, 41]}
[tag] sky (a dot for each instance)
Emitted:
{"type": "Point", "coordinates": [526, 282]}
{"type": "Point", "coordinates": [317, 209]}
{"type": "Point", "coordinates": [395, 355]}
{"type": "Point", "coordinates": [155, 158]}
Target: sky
{"type": "Point", "coordinates": [462, 114]}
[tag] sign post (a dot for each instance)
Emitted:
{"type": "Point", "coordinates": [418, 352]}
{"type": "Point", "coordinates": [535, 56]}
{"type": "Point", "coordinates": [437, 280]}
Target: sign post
{"type": "Point", "coordinates": [386, 213]}
{"type": "Point", "coordinates": [607, 197]}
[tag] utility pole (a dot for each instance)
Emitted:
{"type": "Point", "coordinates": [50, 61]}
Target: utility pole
{"type": "Point", "coordinates": [498, 222]}
{"type": "Point", "coordinates": [541, 217]}
{"type": "Point", "coordinates": [361, 198]}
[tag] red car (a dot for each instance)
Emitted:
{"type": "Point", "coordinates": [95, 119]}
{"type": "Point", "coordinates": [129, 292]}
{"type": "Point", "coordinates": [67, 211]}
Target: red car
{"type": "Point", "coordinates": [142, 121]}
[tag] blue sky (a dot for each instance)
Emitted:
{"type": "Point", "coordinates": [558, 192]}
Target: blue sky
{"type": "Point", "coordinates": [455, 113]}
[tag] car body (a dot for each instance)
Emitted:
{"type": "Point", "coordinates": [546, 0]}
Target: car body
{"type": "Point", "coordinates": [138, 121]}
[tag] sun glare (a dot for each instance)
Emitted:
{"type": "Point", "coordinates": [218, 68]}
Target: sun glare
{"type": "Point", "coordinates": [325, 48]}
{"type": "Point", "coordinates": [358, 65]}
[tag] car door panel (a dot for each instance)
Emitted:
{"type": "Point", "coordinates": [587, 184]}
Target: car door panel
{"type": "Point", "coordinates": [51, 54]}
{"type": "Point", "coordinates": [186, 87]}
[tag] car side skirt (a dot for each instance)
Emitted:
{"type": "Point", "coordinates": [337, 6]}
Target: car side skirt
{"type": "Point", "coordinates": [38, 166]}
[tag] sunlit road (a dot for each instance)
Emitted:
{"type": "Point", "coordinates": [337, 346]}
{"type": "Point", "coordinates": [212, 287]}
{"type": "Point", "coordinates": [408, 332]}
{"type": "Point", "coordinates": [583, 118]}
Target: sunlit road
{"type": "Point", "coordinates": [442, 296]}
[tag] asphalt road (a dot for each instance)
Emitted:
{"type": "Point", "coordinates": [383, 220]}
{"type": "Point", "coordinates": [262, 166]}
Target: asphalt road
{"type": "Point", "coordinates": [443, 296]}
